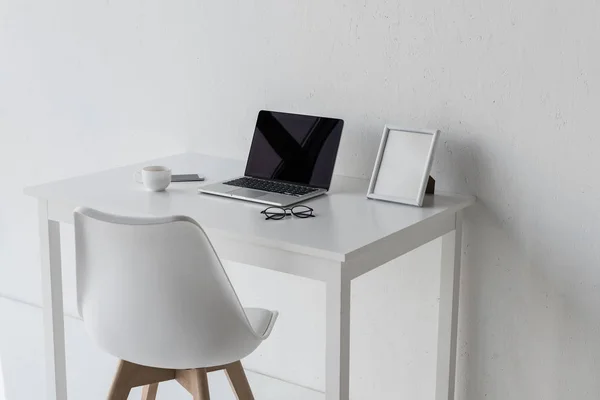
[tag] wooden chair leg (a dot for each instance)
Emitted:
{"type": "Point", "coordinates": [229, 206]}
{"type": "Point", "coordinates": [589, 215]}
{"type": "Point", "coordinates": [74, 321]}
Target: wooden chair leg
{"type": "Point", "coordinates": [121, 382]}
{"type": "Point", "coordinates": [239, 381]}
{"type": "Point", "coordinates": [149, 391]}
{"type": "Point", "coordinates": [201, 384]}
{"type": "Point", "coordinates": [131, 375]}
{"type": "Point", "coordinates": [194, 381]}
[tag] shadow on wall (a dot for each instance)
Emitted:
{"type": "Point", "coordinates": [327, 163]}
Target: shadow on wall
{"type": "Point", "coordinates": [529, 319]}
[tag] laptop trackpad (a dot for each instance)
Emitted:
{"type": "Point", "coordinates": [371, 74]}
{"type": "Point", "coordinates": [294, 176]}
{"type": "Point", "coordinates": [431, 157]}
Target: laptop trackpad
{"type": "Point", "coordinates": [249, 193]}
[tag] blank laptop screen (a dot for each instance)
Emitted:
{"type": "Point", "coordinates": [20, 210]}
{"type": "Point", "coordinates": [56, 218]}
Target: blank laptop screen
{"type": "Point", "coordinates": [294, 148]}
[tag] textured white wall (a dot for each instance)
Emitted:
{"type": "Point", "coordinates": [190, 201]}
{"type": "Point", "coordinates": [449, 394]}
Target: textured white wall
{"type": "Point", "coordinates": [513, 86]}
{"type": "Point", "coordinates": [86, 85]}
{"type": "Point", "coordinates": [77, 94]}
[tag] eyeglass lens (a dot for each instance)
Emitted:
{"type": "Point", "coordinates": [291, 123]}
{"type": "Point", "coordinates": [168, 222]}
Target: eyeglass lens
{"type": "Point", "coordinates": [302, 211]}
{"type": "Point", "coordinates": [274, 213]}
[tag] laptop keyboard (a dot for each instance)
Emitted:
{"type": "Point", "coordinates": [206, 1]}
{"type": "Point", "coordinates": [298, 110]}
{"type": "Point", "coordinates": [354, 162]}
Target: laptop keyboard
{"type": "Point", "coordinates": [271, 186]}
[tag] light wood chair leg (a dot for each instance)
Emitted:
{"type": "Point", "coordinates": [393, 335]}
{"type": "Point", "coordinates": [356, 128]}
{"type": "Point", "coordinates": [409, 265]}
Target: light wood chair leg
{"type": "Point", "coordinates": [201, 391]}
{"type": "Point", "coordinates": [239, 381]}
{"type": "Point", "coordinates": [149, 391]}
{"type": "Point", "coordinates": [194, 381]}
{"type": "Point", "coordinates": [131, 375]}
{"type": "Point", "coordinates": [121, 387]}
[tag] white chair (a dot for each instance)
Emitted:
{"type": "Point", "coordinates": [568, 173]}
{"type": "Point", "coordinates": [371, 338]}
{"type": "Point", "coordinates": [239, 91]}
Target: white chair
{"type": "Point", "coordinates": [153, 292]}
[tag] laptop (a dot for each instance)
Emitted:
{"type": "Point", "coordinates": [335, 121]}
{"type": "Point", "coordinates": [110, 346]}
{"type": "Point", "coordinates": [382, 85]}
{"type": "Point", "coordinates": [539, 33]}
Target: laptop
{"type": "Point", "coordinates": [291, 160]}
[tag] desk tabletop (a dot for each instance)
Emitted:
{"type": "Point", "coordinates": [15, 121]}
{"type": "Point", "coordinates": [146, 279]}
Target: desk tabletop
{"type": "Point", "coordinates": [345, 222]}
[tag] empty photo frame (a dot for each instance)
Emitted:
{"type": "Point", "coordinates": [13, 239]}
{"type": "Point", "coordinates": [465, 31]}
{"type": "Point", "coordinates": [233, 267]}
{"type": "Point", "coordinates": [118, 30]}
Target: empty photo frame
{"type": "Point", "coordinates": [402, 166]}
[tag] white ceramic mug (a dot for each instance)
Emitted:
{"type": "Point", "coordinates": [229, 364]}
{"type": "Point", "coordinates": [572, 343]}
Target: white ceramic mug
{"type": "Point", "coordinates": [154, 177]}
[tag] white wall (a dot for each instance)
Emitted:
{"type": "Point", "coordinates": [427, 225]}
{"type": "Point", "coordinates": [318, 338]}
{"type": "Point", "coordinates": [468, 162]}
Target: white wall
{"type": "Point", "coordinates": [87, 85]}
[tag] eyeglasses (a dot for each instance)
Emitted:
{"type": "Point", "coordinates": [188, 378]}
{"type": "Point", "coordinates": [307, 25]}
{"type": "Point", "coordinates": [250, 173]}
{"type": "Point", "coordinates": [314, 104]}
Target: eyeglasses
{"type": "Point", "coordinates": [299, 211]}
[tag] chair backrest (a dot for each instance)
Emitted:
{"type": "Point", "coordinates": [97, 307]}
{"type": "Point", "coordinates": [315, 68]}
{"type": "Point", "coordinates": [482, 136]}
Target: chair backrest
{"type": "Point", "coordinates": [153, 291]}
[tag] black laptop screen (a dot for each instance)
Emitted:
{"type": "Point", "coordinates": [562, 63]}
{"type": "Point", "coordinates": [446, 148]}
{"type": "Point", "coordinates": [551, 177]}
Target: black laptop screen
{"type": "Point", "coordinates": [294, 148]}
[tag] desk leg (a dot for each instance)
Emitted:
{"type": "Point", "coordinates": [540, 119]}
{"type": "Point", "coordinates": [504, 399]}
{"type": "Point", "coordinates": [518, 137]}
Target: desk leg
{"type": "Point", "coordinates": [337, 352]}
{"type": "Point", "coordinates": [448, 312]}
{"type": "Point", "coordinates": [54, 327]}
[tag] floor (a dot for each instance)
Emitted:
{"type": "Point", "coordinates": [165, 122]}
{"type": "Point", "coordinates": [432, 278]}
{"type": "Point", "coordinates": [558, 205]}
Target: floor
{"type": "Point", "coordinates": [89, 370]}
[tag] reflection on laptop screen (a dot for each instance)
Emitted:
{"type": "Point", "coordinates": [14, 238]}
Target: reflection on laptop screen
{"type": "Point", "coordinates": [294, 148]}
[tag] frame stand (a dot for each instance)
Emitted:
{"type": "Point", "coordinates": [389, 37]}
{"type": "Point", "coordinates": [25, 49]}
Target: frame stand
{"type": "Point", "coordinates": [430, 189]}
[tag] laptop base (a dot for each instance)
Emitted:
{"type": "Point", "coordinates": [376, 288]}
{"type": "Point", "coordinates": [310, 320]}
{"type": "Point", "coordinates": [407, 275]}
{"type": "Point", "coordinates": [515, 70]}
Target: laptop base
{"type": "Point", "coordinates": [257, 196]}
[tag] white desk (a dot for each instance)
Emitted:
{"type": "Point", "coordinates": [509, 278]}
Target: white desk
{"type": "Point", "coordinates": [349, 237]}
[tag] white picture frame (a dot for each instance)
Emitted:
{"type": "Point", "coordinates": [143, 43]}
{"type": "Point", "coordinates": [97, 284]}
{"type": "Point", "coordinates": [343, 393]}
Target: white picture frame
{"type": "Point", "coordinates": [410, 187]}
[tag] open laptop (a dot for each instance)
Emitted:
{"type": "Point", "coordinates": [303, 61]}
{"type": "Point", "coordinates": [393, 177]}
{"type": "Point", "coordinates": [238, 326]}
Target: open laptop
{"type": "Point", "coordinates": [291, 159]}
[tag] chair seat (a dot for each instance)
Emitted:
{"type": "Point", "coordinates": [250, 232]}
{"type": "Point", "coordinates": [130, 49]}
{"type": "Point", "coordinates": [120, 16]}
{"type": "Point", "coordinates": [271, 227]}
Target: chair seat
{"type": "Point", "coordinates": [260, 319]}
